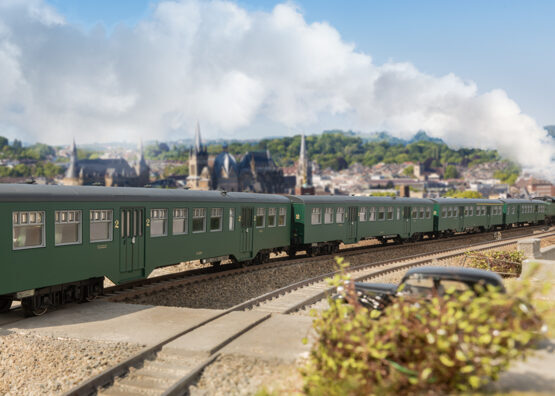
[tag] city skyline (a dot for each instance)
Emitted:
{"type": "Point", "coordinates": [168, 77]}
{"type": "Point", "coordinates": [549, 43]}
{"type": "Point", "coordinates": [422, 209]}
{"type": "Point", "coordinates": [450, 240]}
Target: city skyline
{"type": "Point", "coordinates": [130, 70]}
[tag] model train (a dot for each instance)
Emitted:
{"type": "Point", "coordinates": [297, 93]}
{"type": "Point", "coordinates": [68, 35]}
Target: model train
{"type": "Point", "coordinates": [62, 241]}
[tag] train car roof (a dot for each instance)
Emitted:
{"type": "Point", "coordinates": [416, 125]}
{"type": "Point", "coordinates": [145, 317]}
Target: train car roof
{"type": "Point", "coordinates": [517, 200]}
{"type": "Point", "coordinates": [339, 199]}
{"type": "Point", "coordinates": [38, 193]}
{"type": "Point", "coordinates": [450, 201]}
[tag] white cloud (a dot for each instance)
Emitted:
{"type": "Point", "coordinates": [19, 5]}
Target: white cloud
{"type": "Point", "coordinates": [229, 68]}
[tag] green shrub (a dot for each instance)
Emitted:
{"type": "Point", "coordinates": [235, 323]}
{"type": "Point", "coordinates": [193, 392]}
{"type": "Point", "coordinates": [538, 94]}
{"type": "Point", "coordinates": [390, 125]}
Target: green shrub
{"type": "Point", "coordinates": [498, 261]}
{"type": "Point", "coordinates": [457, 342]}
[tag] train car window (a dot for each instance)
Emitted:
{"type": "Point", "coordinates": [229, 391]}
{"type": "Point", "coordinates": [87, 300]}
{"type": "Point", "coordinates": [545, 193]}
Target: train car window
{"type": "Point", "coordinates": [390, 213]}
{"type": "Point", "coordinates": [449, 212]}
{"type": "Point", "coordinates": [67, 229]}
{"type": "Point", "coordinates": [471, 211]}
{"type": "Point", "coordinates": [456, 212]}
{"type": "Point", "coordinates": [340, 215]}
{"type": "Point", "coordinates": [231, 219]}
{"type": "Point", "coordinates": [180, 222]}
{"type": "Point", "coordinates": [28, 230]}
{"type": "Point", "coordinates": [101, 225]}
{"type": "Point", "coordinates": [282, 221]}
{"type": "Point", "coordinates": [316, 216]}
{"type": "Point", "coordinates": [414, 213]}
{"type": "Point", "coordinates": [260, 217]}
{"type": "Point", "coordinates": [381, 213]}
{"type": "Point", "coordinates": [328, 215]}
{"type": "Point", "coordinates": [158, 222]}
{"type": "Point", "coordinates": [443, 212]}
{"type": "Point", "coordinates": [422, 213]}
{"type": "Point", "coordinates": [362, 214]}
{"type": "Point", "coordinates": [199, 220]}
{"type": "Point", "coordinates": [428, 213]}
{"type": "Point", "coordinates": [272, 217]}
{"type": "Point", "coordinates": [372, 214]}
{"type": "Point", "coordinates": [466, 210]}
{"type": "Point", "coordinates": [216, 215]}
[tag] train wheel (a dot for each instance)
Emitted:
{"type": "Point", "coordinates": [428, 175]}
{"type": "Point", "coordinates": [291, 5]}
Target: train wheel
{"type": "Point", "coordinates": [32, 307]}
{"type": "Point", "coordinates": [216, 263]}
{"type": "Point", "coordinates": [5, 305]}
{"type": "Point", "coordinates": [291, 252]}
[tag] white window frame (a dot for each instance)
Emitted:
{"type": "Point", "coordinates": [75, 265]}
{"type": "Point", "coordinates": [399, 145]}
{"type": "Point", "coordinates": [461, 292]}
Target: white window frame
{"type": "Point", "coordinates": [59, 221]}
{"type": "Point", "coordinates": [108, 213]}
{"type": "Point", "coordinates": [340, 215]}
{"type": "Point", "coordinates": [282, 216]}
{"type": "Point", "coordinates": [373, 216]}
{"type": "Point", "coordinates": [17, 224]}
{"type": "Point", "coordinates": [381, 213]}
{"type": "Point", "coordinates": [217, 213]}
{"type": "Point", "coordinates": [199, 213]}
{"type": "Point", "coordinates": [159, 214]}
{"type": "Point", "coordinates": [362, 214]}
{"type": "Point", "coordinates": [316, 216]}
{"type": "Point", "coordinates": [328, 216]}
{"type": "Point", "coordinates": [389, 213]}
{"type": "Point", "coordinates": [231, 225]}
{"type": "Point", "coordinates": [272, 214]}
{"type": "Point", "coordinates": [260, 212]}
{"type": "Point", "coordinates": [180, 214]}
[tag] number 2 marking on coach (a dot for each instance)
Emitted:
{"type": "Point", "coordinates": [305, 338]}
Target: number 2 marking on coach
{"type": "Point", "coordinates": [116, 224]}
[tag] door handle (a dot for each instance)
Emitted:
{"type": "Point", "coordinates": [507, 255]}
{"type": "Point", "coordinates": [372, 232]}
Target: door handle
{"type": "Point", "coordinates": [133, 240]}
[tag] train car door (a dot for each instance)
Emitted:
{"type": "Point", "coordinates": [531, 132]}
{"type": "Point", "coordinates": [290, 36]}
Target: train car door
{"type": "Point", "coordinates": [353, 217]}
{"type": "Point", "coordinates": [247, 233]}
{"type": "Point", "coordinates": [132, 241]}
{"type": "Point", "coordinates": [488, 217]}
{"type": "Point", "coordinates": [461, 218]}
{"type": "Point", "coordinates": [406, 220]}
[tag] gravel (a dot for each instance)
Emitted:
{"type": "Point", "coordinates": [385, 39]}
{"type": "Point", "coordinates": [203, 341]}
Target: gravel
{"type": "Point", "coordinates": [42, 365]}
{"type": "Point", "coordinates": [238, 375]}
{"type": "Point", "coordinates": [228, 291]}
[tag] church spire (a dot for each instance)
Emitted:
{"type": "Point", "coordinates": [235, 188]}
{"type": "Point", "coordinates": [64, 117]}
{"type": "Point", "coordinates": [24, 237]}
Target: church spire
{"type": "Point", "coordinates": [304, 171]}
{"type": "Point", "coordinates": [71, 172]}
{"type": "Point", "coordinates": [198, 140]}
{"type": "Point", "coordinates": [302, 154]}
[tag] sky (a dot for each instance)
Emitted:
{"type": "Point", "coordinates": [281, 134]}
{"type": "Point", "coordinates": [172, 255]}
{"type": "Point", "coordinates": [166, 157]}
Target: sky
{"type": "Point", "coordinates": [474, 73]}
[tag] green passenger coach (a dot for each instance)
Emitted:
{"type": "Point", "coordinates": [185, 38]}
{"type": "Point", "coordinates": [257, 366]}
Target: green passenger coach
{"type": "Point", "coordinates": [62, 241]}
{"type": "Point", "coordinates": [321, 223]}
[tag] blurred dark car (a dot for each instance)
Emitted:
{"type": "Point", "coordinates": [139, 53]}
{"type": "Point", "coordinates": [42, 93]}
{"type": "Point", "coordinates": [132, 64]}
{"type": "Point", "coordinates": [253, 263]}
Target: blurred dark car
{"type": "Point", "coordinates": [424, 282]}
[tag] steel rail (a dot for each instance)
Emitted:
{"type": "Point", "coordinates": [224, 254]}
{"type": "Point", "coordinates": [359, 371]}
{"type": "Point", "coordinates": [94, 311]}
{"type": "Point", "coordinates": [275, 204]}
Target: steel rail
{"type": "Point", "coordinates": [107, 377]}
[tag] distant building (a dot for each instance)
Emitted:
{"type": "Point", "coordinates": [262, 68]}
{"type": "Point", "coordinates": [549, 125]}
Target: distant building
{"type": "Point", "coordinates": [106, 172]}
{"type": "Point", "coordinates": [304, 172]}
{"type": "Point", "coordinates": [256, 172]}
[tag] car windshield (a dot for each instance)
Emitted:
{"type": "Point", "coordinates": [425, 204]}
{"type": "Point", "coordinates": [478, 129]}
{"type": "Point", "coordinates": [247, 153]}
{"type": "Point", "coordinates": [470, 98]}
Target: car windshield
{"type": "Point", "coordinates": [418, 285]}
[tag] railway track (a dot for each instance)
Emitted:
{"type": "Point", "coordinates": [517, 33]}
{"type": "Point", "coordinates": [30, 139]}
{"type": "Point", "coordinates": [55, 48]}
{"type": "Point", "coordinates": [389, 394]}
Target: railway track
{"type": "Point", "coordinates": [128, 292]}
{"type": "Point", "coordinates": [159, 370]}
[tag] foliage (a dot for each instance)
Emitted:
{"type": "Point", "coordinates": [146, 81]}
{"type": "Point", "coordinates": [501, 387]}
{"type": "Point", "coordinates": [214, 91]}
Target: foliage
{"type": "Point", "coordinates": [176, 170]}
{"type": "Point", "coordinates": [434, 346]}
{"type": "Point", "coordinates": [39, 169]}
{"type": "Point", "coordinates": [338, 150]}
{"type": "Point", "coordinates": [463, 194]}
{"type": "Point", "coordinates": [16, 151]}
{"type": "Point", "coordinates": [497, 261]}
{"type": "Point", "coordinates": [451, 172]}
{"type": "Point", "coordinates": [161, 151]}
{"type": "Point", "coordinates": [509, 174]}
{"type": "Point", "coordinates": [383, 194]}
{"type": "Point", "coordinates": [408, 171]}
